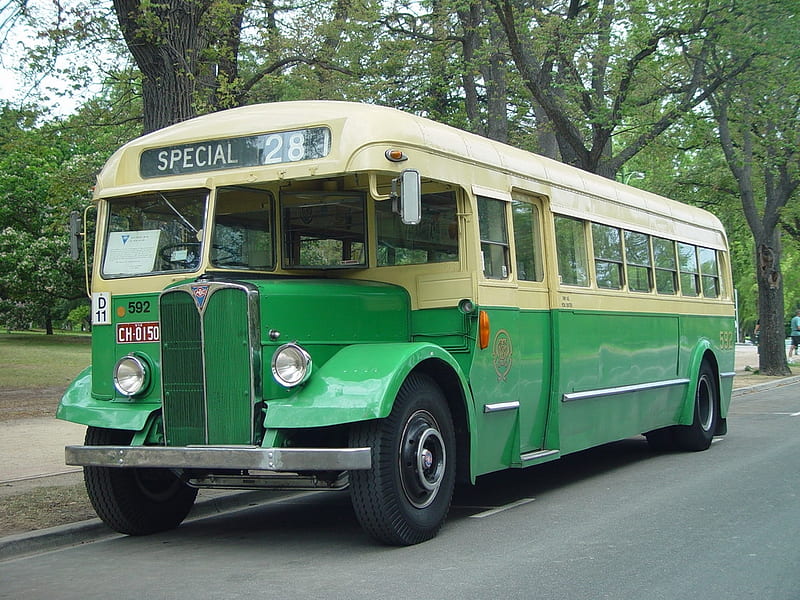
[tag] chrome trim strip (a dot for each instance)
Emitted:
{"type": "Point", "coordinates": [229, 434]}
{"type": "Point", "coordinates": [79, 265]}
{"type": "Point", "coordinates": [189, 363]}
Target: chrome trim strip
{"type": "Point", "coordinates": [528, 456]}
{"type": "Point", "coordinates": [500, 406]}
{"type": "Point", "coordinates": [221, 457]}
{"type": "Point", "coordinates": [727, 374]}
{"type": "Point", "coordinates": [625, 389]}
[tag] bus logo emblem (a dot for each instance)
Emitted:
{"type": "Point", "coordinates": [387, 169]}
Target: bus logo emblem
{"type": "Point", "coordinates": [502, 354]}
{"type": "Point", "coordinates": [200, 293]}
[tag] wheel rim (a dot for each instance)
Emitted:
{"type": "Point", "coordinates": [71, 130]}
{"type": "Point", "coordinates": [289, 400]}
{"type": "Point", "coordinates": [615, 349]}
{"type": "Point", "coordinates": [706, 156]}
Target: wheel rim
{"type": "Point", "coordinates": [705, 403]}
{"type": "Point", "coordinates": [423, 459]}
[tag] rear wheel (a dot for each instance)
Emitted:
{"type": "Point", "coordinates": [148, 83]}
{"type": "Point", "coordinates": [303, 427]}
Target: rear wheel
{"type": "Point", "coordinates": [699, 434]}
{"type": "Point", "coordinates": [135, 501]}
{"type": "Point", "coordinates": [404, 498]}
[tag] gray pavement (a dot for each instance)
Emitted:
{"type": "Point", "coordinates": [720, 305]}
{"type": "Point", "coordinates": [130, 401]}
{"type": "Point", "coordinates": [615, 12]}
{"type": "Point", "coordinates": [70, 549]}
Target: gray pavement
{"type": "Point", "coordinates": [32, 452]}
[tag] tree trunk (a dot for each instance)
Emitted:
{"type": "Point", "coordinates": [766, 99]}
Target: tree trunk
{"type": "Point", "coordinates": [166, 40]}
{"type": "Point", "coordinates": [772, 349]}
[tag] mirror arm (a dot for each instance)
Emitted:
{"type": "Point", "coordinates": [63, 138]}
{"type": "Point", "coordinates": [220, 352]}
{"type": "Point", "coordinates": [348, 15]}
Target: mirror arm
{"type": "Point", "coordinates": [373, 189]}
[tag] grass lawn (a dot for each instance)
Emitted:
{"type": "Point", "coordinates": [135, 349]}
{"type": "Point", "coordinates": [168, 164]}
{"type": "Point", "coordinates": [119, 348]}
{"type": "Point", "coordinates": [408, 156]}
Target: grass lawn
{"type": "Point", "coordinates": [35, 360]}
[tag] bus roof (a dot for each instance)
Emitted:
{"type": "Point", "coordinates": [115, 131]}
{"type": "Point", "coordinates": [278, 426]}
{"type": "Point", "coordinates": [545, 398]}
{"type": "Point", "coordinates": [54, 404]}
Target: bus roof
{"type": "Point", "coordinates": [356, 126]}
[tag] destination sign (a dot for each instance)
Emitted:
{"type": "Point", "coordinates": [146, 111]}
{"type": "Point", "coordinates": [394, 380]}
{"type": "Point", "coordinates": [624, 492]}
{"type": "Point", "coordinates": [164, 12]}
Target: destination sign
{"type": "Point", "coordinates": [235, 153]}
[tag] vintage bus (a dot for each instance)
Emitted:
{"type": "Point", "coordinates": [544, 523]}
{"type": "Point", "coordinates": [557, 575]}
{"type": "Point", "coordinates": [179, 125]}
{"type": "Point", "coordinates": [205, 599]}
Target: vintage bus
{"type": "Point", "coordinates": [329, 295]}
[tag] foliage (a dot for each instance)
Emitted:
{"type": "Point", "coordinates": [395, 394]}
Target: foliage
{"type": "Point", "coordinates": [44, 174]}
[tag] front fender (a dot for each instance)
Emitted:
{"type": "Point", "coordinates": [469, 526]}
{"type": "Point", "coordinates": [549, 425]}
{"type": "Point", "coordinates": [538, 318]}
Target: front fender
{"type": "Point", "coordinates": [358, 383]}
{"type": "Point", "coordinates": [79, 406]}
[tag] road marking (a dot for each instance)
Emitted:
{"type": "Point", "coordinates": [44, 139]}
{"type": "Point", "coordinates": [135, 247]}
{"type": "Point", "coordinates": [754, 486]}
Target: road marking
{"type": "Point", "coordinates": [500, 509]}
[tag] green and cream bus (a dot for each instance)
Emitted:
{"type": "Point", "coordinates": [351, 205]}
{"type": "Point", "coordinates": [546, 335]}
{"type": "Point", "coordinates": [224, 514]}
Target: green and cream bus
{"type": "Point", "coordinates": [327, 295]}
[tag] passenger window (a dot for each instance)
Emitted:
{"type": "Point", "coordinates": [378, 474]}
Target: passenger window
{"type": "Point", "coordinates": [243, 232]}
{"type": "Point", "coordinates": [607, 244]}
{"type": "Point", "coordinates": [526, 221]}
{"type": "Point", "coordinates": [494, 238]}
{"type": "Point", "coordinates": [434, 240]}
{"type": "Point", "coordinates": [666, 266]}
{"type": "Point", "coordinates": [571, 247]}
{"type": "Point", "coordinates": [637, 258]}
{"type": "Point", "coordinates": [709, 272]}
{"type": "Point", "coordinates": [323, 230]}
{"type": "Point", "coordinates": [687, 257]}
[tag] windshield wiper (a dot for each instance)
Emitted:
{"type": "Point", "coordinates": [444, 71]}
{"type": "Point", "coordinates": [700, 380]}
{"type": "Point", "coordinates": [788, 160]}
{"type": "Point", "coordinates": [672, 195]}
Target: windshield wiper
{"type": "Point", "coordinates": [185, 221]}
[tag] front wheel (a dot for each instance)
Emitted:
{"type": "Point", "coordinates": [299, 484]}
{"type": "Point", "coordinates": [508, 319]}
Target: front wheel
{"type": "Point", "coordinates": [404, 498]}
{"type": "Point", "coordinates": [135, 501]}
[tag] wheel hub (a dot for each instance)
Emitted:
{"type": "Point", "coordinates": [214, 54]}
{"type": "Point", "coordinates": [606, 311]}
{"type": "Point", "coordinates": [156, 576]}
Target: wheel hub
{"type": "Point", "coordinates": [422, 459]}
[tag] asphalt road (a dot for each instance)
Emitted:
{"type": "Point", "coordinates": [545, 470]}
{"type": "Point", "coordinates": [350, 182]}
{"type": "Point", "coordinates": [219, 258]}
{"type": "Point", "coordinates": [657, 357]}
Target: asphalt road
{"type": "Point", "coordinates": [616, 522]}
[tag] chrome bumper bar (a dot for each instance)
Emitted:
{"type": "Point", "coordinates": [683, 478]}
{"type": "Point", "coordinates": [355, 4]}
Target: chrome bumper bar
{"type": "Point", "coordinates": [221, 457]}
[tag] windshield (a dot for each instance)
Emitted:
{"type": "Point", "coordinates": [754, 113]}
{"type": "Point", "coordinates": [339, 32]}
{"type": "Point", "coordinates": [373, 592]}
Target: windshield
{"type": "Point", "coordinates": [154, 233]}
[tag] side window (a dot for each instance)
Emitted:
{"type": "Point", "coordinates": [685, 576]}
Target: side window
{"type": "Point", "coordinates": [434, 240]}
{"type": "Point", "coordinates": [637, 257]}
{"type": "Point", "coordinates": [526, 241]}
{"type": "Point", "coordinates": [243, 232]}
{"type": "Point", "coordinates": [710, 272]}
{"type": "Point", "coordinates": [687, 257]}
{"type": "Point", "coordinates": [607, 244]}
{"type": "Point", "coordinates": [494, 238]}
{"type": "Point", "coordinates": [666, 266]}
{"type": "Point", "coordinates": [571, 248]}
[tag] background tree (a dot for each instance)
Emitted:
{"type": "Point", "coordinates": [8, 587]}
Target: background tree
{"type": "Point", "coordinates": [592, 66]}
{"type": "Point", "coordinates": [757, 120]}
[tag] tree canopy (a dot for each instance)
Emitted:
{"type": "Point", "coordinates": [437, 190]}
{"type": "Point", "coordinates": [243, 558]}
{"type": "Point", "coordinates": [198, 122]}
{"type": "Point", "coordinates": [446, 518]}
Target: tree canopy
{"type": "Point", "coordinates": [694, 100]}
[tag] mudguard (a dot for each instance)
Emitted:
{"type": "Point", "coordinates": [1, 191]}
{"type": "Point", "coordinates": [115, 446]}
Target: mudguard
{"type": "Point", "coordinates": [358, 383]}
{"type": "Point", "coordinates": [695, 360]}
{"type": "Point", "coordinates": [79, 406]}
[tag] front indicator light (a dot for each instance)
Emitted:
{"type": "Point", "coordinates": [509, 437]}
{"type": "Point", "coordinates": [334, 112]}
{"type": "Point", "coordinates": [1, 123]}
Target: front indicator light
{"type": "Point", "coordinates": [131, 375]}
{"type": "Point", "coordinates": [291, 365]}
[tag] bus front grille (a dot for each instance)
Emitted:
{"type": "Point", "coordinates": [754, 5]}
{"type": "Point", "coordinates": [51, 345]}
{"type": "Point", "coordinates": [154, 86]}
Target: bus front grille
{"type": "Point", "coordinates": [209, 363]}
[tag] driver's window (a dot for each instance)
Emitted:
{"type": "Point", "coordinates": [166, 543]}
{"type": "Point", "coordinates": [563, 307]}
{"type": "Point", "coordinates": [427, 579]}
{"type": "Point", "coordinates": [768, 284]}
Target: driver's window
{"type": "Point", "coordinates": [154, 233]}
{"type": "Point", "coordinates": [243, 232]}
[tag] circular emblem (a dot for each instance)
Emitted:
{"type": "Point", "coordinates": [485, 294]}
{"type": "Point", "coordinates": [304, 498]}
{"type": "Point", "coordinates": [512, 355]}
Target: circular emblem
{"type": "Point", "coordinates": [502, 353]}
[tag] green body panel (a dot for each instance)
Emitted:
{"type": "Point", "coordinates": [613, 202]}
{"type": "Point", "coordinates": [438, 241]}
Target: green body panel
{"type": "Point", "coordinates": [358, 383]}
{"type": "Point", "coordinates": [337, 312]}
{"type": "Point", "coordinates": [601, 350]}
{"type": "Point", "coordinates": [364, 340]}
{"type": "Point", "coordinates": [514, 368]}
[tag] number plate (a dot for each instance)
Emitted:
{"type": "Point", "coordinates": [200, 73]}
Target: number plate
{"type": "Point", "coordinates": [135, 333]}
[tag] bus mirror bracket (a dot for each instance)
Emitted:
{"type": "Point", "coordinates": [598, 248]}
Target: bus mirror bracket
{"type": "Point", "coordinates": [75, 234]}
{"type": "Point", "coordinates": [406, 197]}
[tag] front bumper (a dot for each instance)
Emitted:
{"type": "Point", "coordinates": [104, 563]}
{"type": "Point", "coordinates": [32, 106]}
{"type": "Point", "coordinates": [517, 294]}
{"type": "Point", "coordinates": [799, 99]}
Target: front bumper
{"type": "Point", "coordinates": [209, 458]}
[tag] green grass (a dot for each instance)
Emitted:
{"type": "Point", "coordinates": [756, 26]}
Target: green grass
{"type": "Point", "coordinates": [35, 360]}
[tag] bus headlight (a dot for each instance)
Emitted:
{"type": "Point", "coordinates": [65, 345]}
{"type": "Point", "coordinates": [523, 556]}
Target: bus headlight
{"type": "Point", "coordinates": [291, 365]}
{"type": "Point", "coordinates": [131, 375]}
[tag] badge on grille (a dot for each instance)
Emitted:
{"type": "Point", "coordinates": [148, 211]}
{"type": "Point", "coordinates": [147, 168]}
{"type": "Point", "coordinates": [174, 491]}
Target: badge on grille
{"type": "Point", "coordinates": [200, 293]}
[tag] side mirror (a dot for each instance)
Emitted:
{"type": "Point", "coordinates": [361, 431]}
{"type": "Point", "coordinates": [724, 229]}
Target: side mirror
{"type": "Point", "coordinates": [75, 234]}
{"type": "Point", "coordinates": [407, 197]}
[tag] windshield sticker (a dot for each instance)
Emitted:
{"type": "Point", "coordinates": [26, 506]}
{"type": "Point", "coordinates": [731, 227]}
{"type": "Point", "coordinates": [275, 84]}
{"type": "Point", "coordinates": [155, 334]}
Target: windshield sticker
{"type": "Point", "coordinates": [131, 252]}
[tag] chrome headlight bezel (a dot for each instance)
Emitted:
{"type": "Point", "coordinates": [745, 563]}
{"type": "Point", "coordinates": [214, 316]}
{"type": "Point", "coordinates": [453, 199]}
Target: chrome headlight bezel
{"type": "Point", "coordinates": [131, 375]}
{"type": "Point", "coordinates": [291, 365]}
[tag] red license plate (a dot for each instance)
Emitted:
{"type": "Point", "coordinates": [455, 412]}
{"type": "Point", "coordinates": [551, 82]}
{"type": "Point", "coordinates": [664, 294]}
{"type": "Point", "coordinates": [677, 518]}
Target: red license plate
{"type": "Point", "coordinates": [135, 333]}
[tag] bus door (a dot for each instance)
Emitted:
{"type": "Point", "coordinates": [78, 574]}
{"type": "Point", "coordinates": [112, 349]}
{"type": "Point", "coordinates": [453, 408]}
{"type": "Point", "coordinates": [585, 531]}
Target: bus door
{"type": "Point", "coordinates": [509, 376]}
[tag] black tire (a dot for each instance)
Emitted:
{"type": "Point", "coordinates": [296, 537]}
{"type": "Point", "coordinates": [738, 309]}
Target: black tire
{"type": "Point", "coordinates": [698, 435]}
{"type": "Point", "coordinates": [404, 499]}
{"type": "Point", "coordinates": [661, 440]}
{"type": "Point", "coordinates": [135, 501]}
